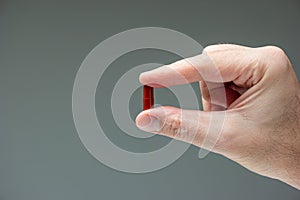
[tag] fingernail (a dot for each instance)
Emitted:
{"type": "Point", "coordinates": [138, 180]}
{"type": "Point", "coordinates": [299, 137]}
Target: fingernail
{"type": "Point", "coordinates": [149, 124]}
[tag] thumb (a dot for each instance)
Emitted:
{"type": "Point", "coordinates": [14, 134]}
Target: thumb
{"type": "Point", "coordinates": [190, 126]}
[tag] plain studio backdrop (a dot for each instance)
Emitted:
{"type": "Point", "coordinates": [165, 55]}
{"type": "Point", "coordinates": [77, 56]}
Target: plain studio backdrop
{"type": "Point", "coordinates": [43, 43]}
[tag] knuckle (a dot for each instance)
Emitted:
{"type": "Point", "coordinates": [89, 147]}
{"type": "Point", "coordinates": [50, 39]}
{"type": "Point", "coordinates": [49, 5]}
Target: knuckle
{"type": "Point", "coordinates": [278, 60]}
{"type": "Point", "coordinates": [276, 53]}
{"type": "Point", "coordinates": [172, 125]}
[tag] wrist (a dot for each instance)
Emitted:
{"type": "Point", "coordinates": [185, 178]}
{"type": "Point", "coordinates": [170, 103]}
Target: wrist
{"type": "Point", "coordinates": [291, 149]}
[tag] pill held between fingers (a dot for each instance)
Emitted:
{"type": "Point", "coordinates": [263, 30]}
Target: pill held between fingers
{"type": "Point", "coordinates": [148, 97]}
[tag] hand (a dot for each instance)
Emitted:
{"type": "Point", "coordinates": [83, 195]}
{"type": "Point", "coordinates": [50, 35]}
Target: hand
{"type": "Point", "coordinates": [261, 128]}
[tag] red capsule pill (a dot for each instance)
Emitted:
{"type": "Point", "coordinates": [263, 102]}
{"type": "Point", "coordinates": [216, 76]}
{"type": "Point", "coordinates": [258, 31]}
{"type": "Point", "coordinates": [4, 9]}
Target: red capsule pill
{"type": "Point", "coordinates": [148, 98]}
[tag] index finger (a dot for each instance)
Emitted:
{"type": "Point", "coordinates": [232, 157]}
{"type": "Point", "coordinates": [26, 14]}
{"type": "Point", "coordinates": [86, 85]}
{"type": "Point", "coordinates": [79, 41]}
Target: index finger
{"type": "Point", "coordinates": [217, 63]}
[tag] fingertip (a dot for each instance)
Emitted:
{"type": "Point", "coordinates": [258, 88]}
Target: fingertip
{"type": "Point", "coordinates": [211, 48]}
{"type": "Point", "coordinates": [142, 78]}
{"type": "Point", "coordinates": [148, 123]}
{"type": "Point", "coordinates": [139, 118]}
{"type": "Point", "coordinates": [146, 78]}
{"type": "Point", "coordinates": [141, 121]}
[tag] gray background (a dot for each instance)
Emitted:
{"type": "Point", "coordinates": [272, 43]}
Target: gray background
{"type": "Point", "coordinates": [42, 45]}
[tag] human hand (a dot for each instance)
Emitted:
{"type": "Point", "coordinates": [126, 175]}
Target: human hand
{"type": "Point", "coordinates": [261, 108]}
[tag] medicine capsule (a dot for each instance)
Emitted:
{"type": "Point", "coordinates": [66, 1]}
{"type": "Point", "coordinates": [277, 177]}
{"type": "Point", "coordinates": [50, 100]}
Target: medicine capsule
{"type": "Point", "coordinates": [148, 97]}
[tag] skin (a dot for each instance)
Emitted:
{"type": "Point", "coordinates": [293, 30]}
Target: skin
{"type": "Point", "coordinates": [257, 97]}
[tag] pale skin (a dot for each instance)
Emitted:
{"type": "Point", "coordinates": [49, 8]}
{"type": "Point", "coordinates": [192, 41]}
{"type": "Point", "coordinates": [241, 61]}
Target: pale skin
{"type": "Point", "coordinates": [261, 128]}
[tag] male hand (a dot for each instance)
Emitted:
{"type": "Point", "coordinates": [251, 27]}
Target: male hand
{"type": "Point", "coordinates": [260, 105]}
